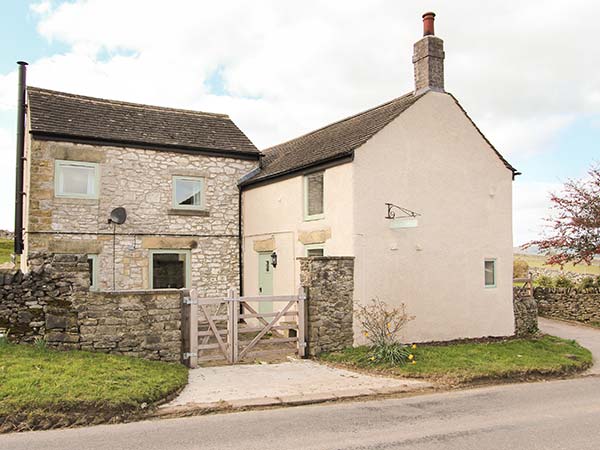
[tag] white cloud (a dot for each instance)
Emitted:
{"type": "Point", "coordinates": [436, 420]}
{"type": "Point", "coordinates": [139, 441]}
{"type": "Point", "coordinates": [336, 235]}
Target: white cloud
{"type": "Point", "coordinates": [521, 69]}
{"type": "Point", "coordinates": [531, 205]}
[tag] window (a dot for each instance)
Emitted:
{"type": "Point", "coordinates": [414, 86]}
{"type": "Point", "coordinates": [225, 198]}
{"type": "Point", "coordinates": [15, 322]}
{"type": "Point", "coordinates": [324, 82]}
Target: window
{"type": "Point", "coordinates": [490, 273]}
{"type": "Point", "coordinates": [76, 179]}
{"type": "Point", "coordinates": [93, 267]}
{"type": "Point", "coordinates": [169, 269]}
{"type": "Point", "coordinates": [313, 196]}
{"type": "Point", "coordinates": [315, 250]}
{"type": "Point", "coordinates": [188, 193]}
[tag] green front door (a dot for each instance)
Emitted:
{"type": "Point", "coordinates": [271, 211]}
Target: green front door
{"type": "Point", "coordinates": [265, 280]}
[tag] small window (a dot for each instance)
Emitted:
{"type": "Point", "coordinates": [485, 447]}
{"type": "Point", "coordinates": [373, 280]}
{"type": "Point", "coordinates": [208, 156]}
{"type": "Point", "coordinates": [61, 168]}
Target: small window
{"type": "Point", "coordinates": [93, 268]}
{"type": "Point", "coordinates": [315, 250]}
{"type": "Point", "coordinates": [188, 193]}
{"type": "Point", "coordinates": [169, 269]}
{"type": "Point", "coordinates": [76, 179]}
{"type": "Point", "coordinates": [313, 196]}
{"type": "Point", "coordinates": [490, 272]}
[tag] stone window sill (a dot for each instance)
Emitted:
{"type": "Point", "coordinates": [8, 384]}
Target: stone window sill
{"type": "Point", "coordinates": [188, 212]}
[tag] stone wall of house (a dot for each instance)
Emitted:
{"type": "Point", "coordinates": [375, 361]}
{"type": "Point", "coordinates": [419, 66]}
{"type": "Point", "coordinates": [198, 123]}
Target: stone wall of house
{"type": "Point", "coordinates": [139, 180]}
{"type": "Point", "coordinates": [571, 304]}
{"type": "Point", "coordinates": [526, 314]}
{"type": "Point", "coordinates": [53, 302]}
{"type": "Point", "coordinates": [329, 284]}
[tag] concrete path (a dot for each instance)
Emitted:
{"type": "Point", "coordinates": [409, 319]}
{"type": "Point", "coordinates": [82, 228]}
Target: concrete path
{"type": "Point", "coordinates": [556, 415]}
{"type": "Point", "coordinates": [587, 336]}
{"type": "Point", "coordinates": [294, 382]}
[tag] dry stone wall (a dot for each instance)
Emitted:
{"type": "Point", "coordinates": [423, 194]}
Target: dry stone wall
{"type": "Point", "coordinates": [329, 284]}
{"type": "Point", "coordinates": [526, 314]}
{"type": "Point", "coordinates": [53, 302]}
{"type": "Point", "coordinates": [582, 305]}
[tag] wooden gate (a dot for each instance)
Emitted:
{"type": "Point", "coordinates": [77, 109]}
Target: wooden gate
{"type": "Point", "coordinates": [230, 328]}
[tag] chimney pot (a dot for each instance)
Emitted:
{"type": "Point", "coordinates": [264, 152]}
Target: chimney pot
{"type": "Point", "coordinates": [428, 19]}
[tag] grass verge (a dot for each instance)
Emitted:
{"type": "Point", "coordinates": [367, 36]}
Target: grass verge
{"type": "Point", "coordinates": [43, 388]}
{"type": "Point", "coordinates": [514, 359]}
{"type": "Point", "coordinates": [6, 249]}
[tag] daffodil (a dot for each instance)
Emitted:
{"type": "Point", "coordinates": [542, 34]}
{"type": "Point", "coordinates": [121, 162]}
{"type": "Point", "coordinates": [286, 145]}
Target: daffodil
{"type": "Point", "coordinates": [366, 334]}
{"type": "Point", "coordinates": [411, 357]}
{"type": "Point", "coordinates": [414, 346]}
{"type": "Point", "coordinates": [372, 358]}
{"type": "Point", "coordinates": [414, 362]}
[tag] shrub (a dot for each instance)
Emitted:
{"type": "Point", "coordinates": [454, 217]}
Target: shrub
{"type": "Point", "coordinates": [381, 325]}
{"type": "Point", "coordinates": [520, 268]}
{"type": "Point", "coordinates": [563, 282]}
{"type": "Point", "coordinates": [587, 283]}
{"type": "Point", "coordinates": [544, 281]}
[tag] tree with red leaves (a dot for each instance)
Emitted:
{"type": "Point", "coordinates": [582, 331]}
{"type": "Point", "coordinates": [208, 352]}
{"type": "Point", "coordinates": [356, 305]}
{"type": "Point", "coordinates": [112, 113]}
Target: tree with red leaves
{"type": "Point", "coordinates": [575, 235]}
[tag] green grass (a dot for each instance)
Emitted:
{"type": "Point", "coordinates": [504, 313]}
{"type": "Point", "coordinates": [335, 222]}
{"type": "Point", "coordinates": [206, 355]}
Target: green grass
{"type": "Point", "coordinates": [6, 248]}
{"type": "Point", "coordinates": [48, 382]}
{"type": "Point", "coordinates": [469, 362]}
{"type": "Point", "coordinates": [539, 261]}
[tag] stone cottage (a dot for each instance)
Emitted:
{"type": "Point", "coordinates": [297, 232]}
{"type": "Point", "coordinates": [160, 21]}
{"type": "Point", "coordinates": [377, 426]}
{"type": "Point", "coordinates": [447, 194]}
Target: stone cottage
{"type": "Point", "coordinates": [413, 190]}
{"type": "Point", "coordinates": [175, 173]}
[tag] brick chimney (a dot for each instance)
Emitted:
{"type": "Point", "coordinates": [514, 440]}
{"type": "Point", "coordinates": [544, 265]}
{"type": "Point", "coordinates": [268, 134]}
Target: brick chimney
{"type": "Point", "coordinates": [428, 59]}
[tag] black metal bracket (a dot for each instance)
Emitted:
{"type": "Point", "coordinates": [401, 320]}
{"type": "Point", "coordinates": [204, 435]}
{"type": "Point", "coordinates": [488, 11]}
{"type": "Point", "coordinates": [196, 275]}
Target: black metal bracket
{"type": "Point", "coordinates": [392, 213]}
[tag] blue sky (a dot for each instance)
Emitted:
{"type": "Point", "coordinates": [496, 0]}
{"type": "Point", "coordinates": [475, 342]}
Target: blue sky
{"type": "Point", "coordinates": [286, 71]}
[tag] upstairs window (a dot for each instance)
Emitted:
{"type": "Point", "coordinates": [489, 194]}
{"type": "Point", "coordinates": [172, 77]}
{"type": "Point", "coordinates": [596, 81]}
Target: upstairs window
{"type": "Point", "coordinates": [489, 266]}
{"type": "Point", "coordinates": [76, 179]}
{"type": "Point", "coordinates": [188, 193]}
{"type": "Point", "coordinates": [313, 196]}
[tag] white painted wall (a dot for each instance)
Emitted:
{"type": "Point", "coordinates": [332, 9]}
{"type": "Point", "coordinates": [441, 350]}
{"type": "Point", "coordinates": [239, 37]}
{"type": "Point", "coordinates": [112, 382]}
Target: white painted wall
{"type": "Point", "coordinates": [433, 161]}
{"type": "Point", "coordinates": [276, 210]}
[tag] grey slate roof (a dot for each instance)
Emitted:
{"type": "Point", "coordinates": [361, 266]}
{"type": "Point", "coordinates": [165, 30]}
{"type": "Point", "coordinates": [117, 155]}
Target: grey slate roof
{"type": "Point", "coordinates": [333, 141]}
{"type": "Point", "coordinates": [338, 140]}
{"type": "Point", "coordinates": [69, 116]}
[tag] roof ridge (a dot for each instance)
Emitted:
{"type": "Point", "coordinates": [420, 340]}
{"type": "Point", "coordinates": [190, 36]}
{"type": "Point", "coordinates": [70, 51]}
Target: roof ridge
{"type": "Point", "coordinates": [339, 121]}
{"type": "Point", "coordinates": [123, 103]}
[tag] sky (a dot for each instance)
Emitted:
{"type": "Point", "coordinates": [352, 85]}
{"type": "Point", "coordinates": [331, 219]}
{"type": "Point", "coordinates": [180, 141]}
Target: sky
{"type": "Point", "coordinates": [527, 72]}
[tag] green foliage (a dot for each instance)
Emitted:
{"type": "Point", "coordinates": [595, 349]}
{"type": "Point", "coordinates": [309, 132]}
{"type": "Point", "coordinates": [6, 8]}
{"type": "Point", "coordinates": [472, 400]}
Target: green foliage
{"type": "Point", "coordinates": [380, 323]}
{"type": "Point", "coordinates": [563, 282]}
{"type": "Point", "coordinates": [4, 337]}
{"type": "Point", "coordinates": [516, 358]}
{"type": "Point", "coordinates": [63, 381]}
{"type": "Point", "coordinates": [520, 268]}
{"type": "Point", "coordinates": [587, 283]}
{"type": "Point", "coordinates": [6, 249]}
{"type": "Point", "coordinates": [40, 344]}
{"type": "Point", "coordinates": [394, 354]}
{"type": "Point", "coordinates": [544, 281]}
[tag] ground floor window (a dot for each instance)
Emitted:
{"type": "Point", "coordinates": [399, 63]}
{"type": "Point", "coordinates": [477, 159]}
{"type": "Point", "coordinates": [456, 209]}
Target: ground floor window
{"type": "Point", "coordinates": [93, 268]}
{"type": "Point", "coordinates": [490, 272]}
{"type": "Point", "coordinates": [315, 250]}
{"type": "Point", "coordinates": [169, 269]}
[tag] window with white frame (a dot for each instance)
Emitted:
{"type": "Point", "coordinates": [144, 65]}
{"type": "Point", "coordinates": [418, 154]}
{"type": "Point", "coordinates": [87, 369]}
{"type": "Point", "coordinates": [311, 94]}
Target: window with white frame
{"type": "Point", "coordinates": [92, 261]}
{"type": "Point", "coordinates": [76, 179]}
{"type": "Point", "coordinates": [490, 273]}
{"type": "Point", "coordinates": [170, 269]}
{"type": "Point", "coordinates": [315, 250]}
{"type": "Point", "coordinates": [188, 192]}
{"type": "Point", "coordinates": [313, 196]}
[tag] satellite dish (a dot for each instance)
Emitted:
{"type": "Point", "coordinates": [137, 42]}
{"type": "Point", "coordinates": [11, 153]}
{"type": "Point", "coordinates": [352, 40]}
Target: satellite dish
{"type": "Point", "coordinates": [118, 216]}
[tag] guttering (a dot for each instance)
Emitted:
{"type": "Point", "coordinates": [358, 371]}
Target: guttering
{"type": "Point", "coordinates": [19, 188]}
{"type": "Point", "coordinates": [333, 161]}
{"type": "Point", "coordinates": [176, 148]}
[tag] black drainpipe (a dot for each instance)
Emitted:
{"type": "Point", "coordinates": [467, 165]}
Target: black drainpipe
{"type": "Point", "coordinates": [240, 244]}
{"type": "Point", "coordinates": [19, 193]}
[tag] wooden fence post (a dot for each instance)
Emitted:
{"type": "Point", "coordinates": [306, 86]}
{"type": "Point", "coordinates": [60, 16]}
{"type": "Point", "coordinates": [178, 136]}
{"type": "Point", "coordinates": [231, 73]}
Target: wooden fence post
{"type": "Point", "coordinates": [302, 310]}
{"type": "Point", "coordinates": [190, 328]}
{"type": "Point", "coordinates": [232, 325]}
